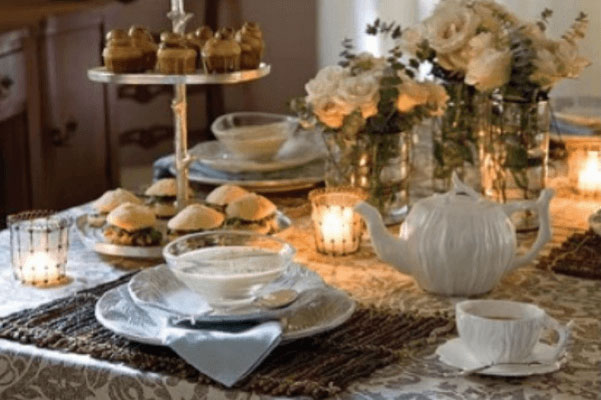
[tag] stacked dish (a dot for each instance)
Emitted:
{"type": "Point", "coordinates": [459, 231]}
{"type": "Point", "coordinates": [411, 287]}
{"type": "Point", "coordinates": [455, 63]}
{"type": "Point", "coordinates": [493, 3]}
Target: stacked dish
{"type": "Point", "coordinates": [260, 151]}
{"type": "Point", "coordinates": [210, 278]}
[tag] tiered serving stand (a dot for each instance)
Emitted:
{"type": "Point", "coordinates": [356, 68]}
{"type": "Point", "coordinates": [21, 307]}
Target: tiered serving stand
{"type": "Point", "coordinates": [179, 20]}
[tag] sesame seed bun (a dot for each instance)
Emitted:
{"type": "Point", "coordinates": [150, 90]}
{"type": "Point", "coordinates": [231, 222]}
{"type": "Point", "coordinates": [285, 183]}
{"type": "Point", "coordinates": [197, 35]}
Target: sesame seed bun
{"type": "Point", "coordinates": [113, 198]}
{"type": "Point", "coordinates": [166, 187]}
{"type": "Point", "coordinates": [131, 217]}
{"type": "Point", "coordinates": [196, 217]}
{"type": "Point", "coordinates": [225, 194]}
{"type": "Point", "coordinates": [251, 207]}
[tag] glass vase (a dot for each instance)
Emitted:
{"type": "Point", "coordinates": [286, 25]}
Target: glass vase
{"type": "Point", "coordinates": [514, 152]}
{"type": "Point", "coordinates": [377, 163]}
{"type": "Point", "coordinates": [455, 138]}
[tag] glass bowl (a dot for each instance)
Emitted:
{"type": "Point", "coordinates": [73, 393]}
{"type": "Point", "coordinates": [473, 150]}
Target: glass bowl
{"type": "Point", "coordinates": [226, 266]}
{"type": "Point", "coordinates": [254, 135]}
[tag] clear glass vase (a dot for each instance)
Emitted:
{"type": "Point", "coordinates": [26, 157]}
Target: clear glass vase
{"type": "Point", "coordinates": [514, 151]}
{"type": "Point", "coordinates": [455, 137]}
{"type": "Point", "coordinates": [380, 164]}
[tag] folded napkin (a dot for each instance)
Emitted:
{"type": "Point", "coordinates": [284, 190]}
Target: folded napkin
{"type": "Point", "coordinates": [224, 352]}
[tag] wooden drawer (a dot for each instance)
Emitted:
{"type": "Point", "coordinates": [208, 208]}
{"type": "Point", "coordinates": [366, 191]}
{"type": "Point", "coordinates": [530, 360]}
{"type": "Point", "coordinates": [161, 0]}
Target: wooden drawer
{"type": "Point", "coordinates": [13, 89]}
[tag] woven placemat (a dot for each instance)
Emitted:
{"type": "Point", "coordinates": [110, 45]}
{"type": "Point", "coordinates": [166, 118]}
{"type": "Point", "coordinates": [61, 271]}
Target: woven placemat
{"type": "Point", "coordinates": [579, 255]}
{"type": "Point", "coordinates": [318, 367]}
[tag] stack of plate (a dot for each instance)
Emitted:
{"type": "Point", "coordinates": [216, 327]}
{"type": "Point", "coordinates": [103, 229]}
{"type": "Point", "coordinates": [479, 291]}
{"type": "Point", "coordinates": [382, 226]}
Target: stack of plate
{"type": "Point", "coordinates": [137, 310]}
{"type": "Point", "coordinates": [298, 164]}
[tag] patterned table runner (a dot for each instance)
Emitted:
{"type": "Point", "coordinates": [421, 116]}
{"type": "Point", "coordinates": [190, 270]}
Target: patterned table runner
{"type": "Point", "coordinates": [318, 367]}
{"type": "Point", "coordinates": [579, 255]}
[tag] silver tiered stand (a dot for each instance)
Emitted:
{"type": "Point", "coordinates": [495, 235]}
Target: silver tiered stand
{"type": "Point", "coordinates": [179, 18]}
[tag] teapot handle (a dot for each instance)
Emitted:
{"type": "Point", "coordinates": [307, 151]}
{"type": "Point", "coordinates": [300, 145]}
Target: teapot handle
{"type": "Point", "coordinates": [544, 220]}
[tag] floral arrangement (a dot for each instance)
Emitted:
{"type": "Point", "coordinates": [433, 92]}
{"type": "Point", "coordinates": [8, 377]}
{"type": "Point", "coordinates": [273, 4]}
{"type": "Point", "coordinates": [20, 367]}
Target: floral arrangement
{"type": "Point", "coordinates": [371, 94]}
{"type": "Point", "coordinates": [484, 45]}
{"type": "Point", "coordinates": [366, 107]}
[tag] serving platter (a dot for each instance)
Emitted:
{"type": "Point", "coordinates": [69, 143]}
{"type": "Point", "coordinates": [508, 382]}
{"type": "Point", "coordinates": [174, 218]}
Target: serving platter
{"type": "Point", "coordinates": [158, 288]}
{"type": "Point", "coordinates": [301, 177]}
{"type": "Point", "coordinates": [299, 150]}
{"type": "Point", "coordinates": [101, 74]}
{"type": "Point", "coordinates": [116, 311]}
{"type": "Point", "coordinates": [93, 238]}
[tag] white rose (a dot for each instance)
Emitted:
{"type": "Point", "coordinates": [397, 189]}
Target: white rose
{"type": "Point", "coordinates": [411, 94]}
{"type": "Point", "coordinates": [555, 61]}
{"type": "Point", "coordinates": [325, 82]}
{"type": "Point", "coordinates": [490, 14]}
{"type": "Point", "coordinates": [411, 39]}
{"type": "Point", "coordinates": [455, 61]}
{"type": "Point", "coordinates": [330, 112]}
{"type": "Point", "coordinates": [437, 98]}
{"type": "Point", "coordinates": [491, 69]}
{"type": "Point", "coordinates": [360, 92]}
{"type": "Point", "coordinates": [451, 26]}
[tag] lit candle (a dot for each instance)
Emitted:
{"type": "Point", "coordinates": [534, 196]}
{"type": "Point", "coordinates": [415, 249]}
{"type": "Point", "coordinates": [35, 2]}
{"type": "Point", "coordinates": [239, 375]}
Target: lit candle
{"type": "Point", "coordinates": [589, 177]}
{"type": "Point", "coordinates": [39, 242]}
{"type": "Point", "coordinates": [337, 227]}
{"type": "Point", "coordinates": [40, 268]}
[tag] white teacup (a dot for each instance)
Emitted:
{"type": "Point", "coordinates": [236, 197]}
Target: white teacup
{"type": "Point", "coordinates": [499, 331]}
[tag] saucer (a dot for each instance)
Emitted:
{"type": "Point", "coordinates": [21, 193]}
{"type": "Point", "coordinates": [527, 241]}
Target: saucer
{"type": "Point", "coordinates": [455, 354]}
{"type": "Point", "coordinates": [297, 151]}
{"type": "Point", "coordinates": [158, 288]}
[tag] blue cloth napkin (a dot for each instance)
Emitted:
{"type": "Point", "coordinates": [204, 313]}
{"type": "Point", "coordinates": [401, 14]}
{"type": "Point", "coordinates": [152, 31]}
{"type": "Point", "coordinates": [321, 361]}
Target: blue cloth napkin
{"type": "Point", "coordinates": [226, 353]}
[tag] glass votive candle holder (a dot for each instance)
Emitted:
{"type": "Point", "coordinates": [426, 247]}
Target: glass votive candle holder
{"type": "Point", "coordinates": [337, 227]}
{"type": "Point", "coordinates": [39, 243]}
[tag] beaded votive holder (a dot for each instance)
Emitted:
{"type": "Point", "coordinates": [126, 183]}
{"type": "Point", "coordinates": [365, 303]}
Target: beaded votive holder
{"type": "Point", "coordinates": [39, 243]}
{"type": "Point", "coordinates": [337, 227]}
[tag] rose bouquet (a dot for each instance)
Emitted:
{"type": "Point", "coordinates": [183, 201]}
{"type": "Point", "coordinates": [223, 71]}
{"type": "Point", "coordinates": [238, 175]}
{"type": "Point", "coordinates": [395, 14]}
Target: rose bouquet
{"type": "Point", "coordinates": [366, 108]}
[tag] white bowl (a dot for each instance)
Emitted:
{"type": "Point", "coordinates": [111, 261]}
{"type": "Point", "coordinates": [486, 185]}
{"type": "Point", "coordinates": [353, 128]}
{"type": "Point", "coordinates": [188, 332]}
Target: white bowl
{"type": "Point", "coordinates": [226, 266]}
{"type": "Point", "coordinates": [254, 135]}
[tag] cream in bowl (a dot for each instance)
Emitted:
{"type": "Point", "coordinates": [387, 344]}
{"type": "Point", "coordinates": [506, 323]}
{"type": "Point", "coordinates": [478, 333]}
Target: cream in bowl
{"type": "Point", "coordinates": [226, 266]}
{"type": "Point", "coordinates": [253, 135]}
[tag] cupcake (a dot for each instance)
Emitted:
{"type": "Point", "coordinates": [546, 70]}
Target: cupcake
{"type": "Point", "coordinates": [197, 40]}
{"type": "Point", "coordinates": [120, 55]}
{"type": "Point", "coordinates": [142, 39]}
{"type": "Point", "coordinates": [174, 56]}
{"type": "Point", "coordinates": [221, 53]}
{"type": "Point", "coordinates": [250, 39]}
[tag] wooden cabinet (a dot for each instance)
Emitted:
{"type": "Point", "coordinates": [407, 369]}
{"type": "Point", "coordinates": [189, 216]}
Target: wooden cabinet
{"type": "Point", "coordinates": [55, 146]}
{"type": "Point", "coordinates": [74, 138]}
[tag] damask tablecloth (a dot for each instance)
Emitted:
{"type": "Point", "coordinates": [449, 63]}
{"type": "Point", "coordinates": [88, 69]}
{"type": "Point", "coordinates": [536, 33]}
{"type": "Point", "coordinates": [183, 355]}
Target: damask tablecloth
{"type": "Point", "coordinates": [30, 373]}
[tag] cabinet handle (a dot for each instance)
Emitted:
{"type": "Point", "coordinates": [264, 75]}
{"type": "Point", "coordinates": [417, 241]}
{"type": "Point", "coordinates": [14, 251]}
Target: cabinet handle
{"type": "Point", "coordinates": [61, 137]}
{"type": "Point", "coordinates": [5, 84]}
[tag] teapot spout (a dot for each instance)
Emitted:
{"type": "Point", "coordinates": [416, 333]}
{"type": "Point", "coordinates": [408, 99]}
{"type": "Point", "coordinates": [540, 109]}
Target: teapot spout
{"type": "Point", "coordinates": [389, 248]}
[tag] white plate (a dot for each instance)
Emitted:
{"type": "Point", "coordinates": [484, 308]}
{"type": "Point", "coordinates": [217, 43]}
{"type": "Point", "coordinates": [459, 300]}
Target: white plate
{"type": "Point", "coordinates": [159, 288]}
{"type": "Point", "coordinates": [116, 311]}
{"type": "Point", "coordinates": [93, 239]}
{"type": "Point", "coordinates": [594, 222]}
{"type": "Point", "coordinates": [455, 354]}
{"type": "Point", "coordinates": [301, 177]}
{"type": "Point", "coordinates": [299, 150]}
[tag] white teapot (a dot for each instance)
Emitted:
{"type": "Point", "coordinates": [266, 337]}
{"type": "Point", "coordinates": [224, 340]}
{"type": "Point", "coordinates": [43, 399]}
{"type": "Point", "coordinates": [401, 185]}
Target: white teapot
{"type": "Point", "coordinates": [457, 243]}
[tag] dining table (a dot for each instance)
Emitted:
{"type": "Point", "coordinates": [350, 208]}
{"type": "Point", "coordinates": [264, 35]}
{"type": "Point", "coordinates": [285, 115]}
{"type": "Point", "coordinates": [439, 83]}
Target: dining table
{"type": "Point", "coordinates": [31, 372]}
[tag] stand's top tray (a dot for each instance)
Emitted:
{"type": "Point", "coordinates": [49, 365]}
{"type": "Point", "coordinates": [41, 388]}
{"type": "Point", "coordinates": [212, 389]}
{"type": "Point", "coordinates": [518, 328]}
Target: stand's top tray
{"type": "Point", "coordinates": [100, 74]}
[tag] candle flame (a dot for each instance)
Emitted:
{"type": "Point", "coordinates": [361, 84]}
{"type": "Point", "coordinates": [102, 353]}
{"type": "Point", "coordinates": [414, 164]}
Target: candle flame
{"type": "Point", "coordinates": [589, 178]}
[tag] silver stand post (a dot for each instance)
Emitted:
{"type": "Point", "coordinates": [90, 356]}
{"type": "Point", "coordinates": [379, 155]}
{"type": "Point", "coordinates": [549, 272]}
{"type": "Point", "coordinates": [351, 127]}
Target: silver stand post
{"type": "Point", "coordinates": [179, 105]}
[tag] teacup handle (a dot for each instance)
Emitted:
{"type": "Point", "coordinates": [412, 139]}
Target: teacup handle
{"type": "Point", "coordinates": [544, 219]}
{"type": "Point", "coordinates": [564, 334]}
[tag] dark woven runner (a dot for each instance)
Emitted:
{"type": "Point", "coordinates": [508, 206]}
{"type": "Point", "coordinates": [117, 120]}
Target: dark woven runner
{"type": "Point", "coordinates": [579, 255]}
{"type": "Point", "coordinates": [318, 367]}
